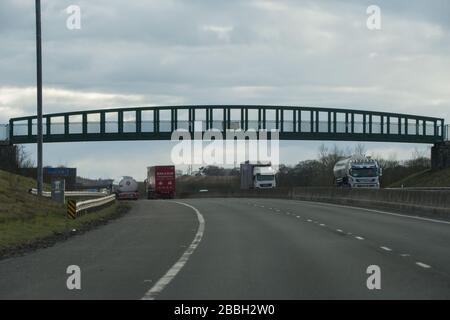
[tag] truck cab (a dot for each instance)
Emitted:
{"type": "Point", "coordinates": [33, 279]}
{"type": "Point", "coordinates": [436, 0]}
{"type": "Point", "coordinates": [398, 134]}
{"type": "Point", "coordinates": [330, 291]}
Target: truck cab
{"type": "Point", "coordinates": [263, 177]}
{"type": "Point", "coordinates": [357, 172]}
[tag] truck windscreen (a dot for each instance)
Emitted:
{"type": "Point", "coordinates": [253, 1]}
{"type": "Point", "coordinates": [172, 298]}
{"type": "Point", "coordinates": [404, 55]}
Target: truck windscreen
{"type": "Point", "coordinates": [363, 172]}
{"type": "Point", "coordinates": [263, 177]}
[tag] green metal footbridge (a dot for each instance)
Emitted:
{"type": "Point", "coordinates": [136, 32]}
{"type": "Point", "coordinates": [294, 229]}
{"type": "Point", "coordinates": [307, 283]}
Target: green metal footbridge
{"type": "Point", "coordinates": [292, 123]}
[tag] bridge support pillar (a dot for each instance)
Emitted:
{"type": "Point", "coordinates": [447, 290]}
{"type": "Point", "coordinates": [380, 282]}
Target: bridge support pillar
{"type": "Point", "coordinates": [440, 156]}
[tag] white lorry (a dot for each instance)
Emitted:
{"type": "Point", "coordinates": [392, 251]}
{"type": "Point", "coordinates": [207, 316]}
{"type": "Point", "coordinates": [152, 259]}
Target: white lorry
{"type": "Point", "coordinates": [357, 172]}
{"type": "Point", "coordinates": [257, 175]}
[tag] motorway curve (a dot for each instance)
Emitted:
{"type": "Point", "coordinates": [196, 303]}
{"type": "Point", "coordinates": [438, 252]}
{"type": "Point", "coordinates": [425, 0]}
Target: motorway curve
{"type": "Point", "coordinates": [241, 249]}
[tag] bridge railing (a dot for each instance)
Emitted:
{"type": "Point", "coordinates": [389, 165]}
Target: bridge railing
{"type": "Point", "coordinates": [291, 122]}
{"type": "Point", "coordinates": [21, 129]}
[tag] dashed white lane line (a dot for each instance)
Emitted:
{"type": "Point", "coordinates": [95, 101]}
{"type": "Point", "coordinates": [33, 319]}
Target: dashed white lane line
{"type": "Point", "coordinates": [173, 271]}
{"type": "Point", "coordinates": [423, 265]}
{"type": "Point", "coordinates": [420, 264]}
{"type": "Point", "coordinates": [405, 255]}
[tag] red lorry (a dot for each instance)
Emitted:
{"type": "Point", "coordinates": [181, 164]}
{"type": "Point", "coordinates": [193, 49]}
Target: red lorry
{"type": "Point", "coordinates": [160, 182]}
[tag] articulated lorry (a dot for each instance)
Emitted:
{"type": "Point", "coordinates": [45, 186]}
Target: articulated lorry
{"type": "Point", "coordinates": [257, 175]}
{"type": "Point", "coordinates": [160, 182]}
{"type": "Point", "coordinates": [357, 172]}
{"type": "Point", "coordinates": [127, 189]}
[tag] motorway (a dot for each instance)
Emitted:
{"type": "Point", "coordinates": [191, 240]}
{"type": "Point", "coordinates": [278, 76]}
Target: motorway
{"type": "Point", "coordinates": [241, 249]}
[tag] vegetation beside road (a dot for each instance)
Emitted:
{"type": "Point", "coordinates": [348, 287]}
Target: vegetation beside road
{"type": "Point", "coordinates": [426, 178]}
{"type": "Point", "coordinates": [25, 218]}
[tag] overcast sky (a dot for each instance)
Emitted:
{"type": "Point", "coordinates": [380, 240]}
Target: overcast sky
{"type": "Point", "coordinates": [135, 53]}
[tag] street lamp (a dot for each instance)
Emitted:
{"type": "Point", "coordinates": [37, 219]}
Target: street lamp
{"type": "Point", "coordinates": [39, 97]}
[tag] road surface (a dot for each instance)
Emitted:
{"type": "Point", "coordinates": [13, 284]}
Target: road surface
{"type": "Point", "coordinates": [241, 249]}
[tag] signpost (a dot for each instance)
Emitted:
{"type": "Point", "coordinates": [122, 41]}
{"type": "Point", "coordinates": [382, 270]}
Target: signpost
{"type": "Point", "coordinates": [39, 141]}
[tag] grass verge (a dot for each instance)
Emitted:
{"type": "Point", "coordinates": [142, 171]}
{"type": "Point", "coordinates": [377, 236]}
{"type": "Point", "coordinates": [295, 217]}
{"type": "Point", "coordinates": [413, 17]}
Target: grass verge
{"type": "Point", "coordinates": [28, 222]}
{"type": "Point", "coordinates": [427, 178]}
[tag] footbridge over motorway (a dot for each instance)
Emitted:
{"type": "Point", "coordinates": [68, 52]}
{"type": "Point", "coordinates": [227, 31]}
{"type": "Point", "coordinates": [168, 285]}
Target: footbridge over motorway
{"type": "Point", "coordinates": [292, 123]}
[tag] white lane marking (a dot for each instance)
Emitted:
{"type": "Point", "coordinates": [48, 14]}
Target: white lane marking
{"type": "Point", "coordinates": [173, 271]}
{"type": "Point", "coordinates": [277, 210]}
{"type": "Point", "coordinates": [322, 225]}
{"type": "Point", "coordinates": [359, 238]}
{"type": "Point", "coordinates": [298, 216]}
{"type": "Point", "coordinates": [349, 233]}
{"type": "Point", "coordinates": [378, 211]}
{"type": "Point", "coordinates": [423, 265]}
{"type": "Point", "coordinates": [339, 230]}
{"type": "Point", "coordinates": [288, 213]}
{"type": "Point", "coordinates": [405, 255]}
{"type": "Point", "coordinates": [309, 220]}
{"type": "Point", "coordinates": [386, 248]}
{"type": "Point", "coordinates": [262, 206]}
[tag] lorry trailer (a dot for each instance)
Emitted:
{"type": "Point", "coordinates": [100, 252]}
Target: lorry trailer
{"type": "Point", "coordinates": [160, 182]}
{"type": "Point", "coordinates": [127, 189]}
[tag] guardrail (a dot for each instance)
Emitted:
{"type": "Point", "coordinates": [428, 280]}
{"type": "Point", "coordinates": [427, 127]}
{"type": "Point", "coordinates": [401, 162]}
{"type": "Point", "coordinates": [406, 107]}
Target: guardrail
{"type": "Point", "coordinates": [87, 204]}
{"type": "Point", "coordinates": [74, 208]}
{"type": "Point", "coordinates": [48, 194]}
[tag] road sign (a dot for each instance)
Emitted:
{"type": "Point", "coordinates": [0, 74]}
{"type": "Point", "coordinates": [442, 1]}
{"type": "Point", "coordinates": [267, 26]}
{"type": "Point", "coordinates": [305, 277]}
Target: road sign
{"type": "Point", "coordinates": [57, 171]}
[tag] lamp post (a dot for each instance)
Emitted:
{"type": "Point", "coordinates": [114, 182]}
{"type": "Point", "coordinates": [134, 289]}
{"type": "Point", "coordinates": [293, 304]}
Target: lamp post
{"type": "Point", "coordinates": [39, 97]}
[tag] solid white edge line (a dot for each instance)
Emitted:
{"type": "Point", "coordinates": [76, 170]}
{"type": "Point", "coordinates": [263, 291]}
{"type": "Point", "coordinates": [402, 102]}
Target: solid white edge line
{"type": "Point", "coordinates": [173, 271]}
{"type": "Point", "coordinates": [386, 248]}
{"type": "Point", "coordinates": [374, 210]}
{"type": "Point", "coordinates": [359, 238]}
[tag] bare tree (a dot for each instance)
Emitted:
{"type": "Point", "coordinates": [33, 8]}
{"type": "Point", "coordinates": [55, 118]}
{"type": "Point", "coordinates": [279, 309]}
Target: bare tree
{"type": "Point", "coordinates": [360, 150]}
{"type": "Point", "coordinates": [23, 158]}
